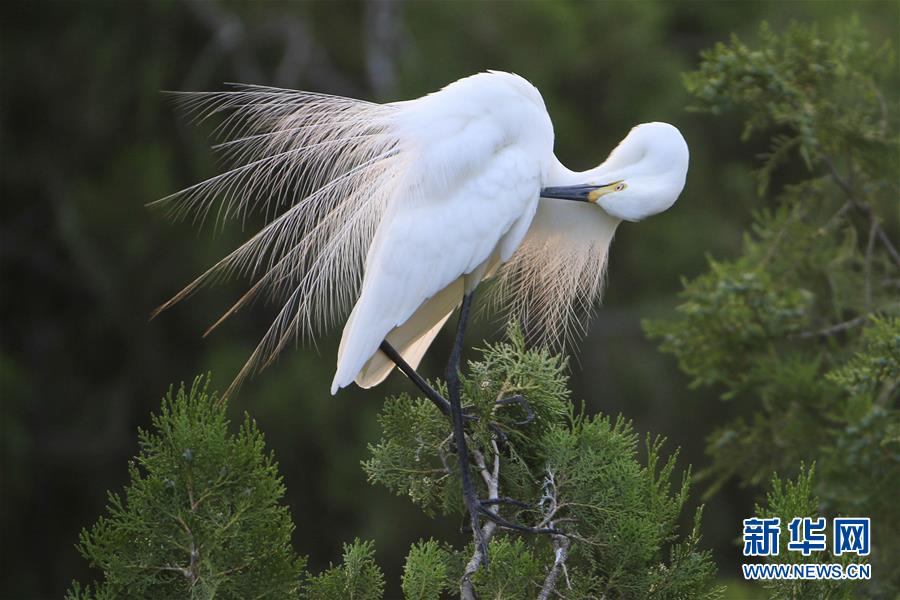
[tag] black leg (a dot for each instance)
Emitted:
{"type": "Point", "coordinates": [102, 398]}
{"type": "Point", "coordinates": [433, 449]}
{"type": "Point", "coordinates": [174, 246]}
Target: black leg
{"type": "Point", "coordinates": [459, 435]}
{"type": "Point", "coordinates": [521, 401]}
{"type": "Point", "coordinates": [476, 508]}
{"type": "Point", "coordinates": [438, 400]}
{"type": "Point", "coordinates": [420, 383]}
{"type": "Point", "coordinates": [509, 524]}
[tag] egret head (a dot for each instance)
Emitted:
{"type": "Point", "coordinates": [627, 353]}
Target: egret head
{"type": "Point", "coordinates": [643, 176]}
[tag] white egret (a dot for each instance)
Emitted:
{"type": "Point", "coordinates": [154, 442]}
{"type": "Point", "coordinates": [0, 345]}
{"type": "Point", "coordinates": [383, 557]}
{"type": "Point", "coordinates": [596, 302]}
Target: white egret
{"type": "Point", "coordinates": [400, 210]}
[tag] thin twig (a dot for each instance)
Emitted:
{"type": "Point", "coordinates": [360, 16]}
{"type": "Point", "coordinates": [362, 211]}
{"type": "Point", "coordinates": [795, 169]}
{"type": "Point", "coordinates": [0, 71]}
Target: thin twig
{"type": "Point", "coordinates": [561, 547]}
{"type": "Point", "coordinates": [842, 183]}
{"type": "Point", "coordinates": [492, 481]}
{"type": "Point", "coordinates": [561, 543]}
{"type": "Point", "coordinates": [442, 455]}
{"type": "Point", "coordinates": [886, 241]}
{"type": "Point", "coordinates": [837, 215]}
{"type": "Point", "coordinates": [867, 265]}
{"type": "Point", "coordinates": [770, 252]}
{"type": "Point", "coordinates": [862, 207]}
{"type": "Point", "coordinates": [828, 331]}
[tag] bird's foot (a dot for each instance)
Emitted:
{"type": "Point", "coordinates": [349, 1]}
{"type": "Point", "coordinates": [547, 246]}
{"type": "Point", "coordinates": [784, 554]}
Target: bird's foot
{"type": "Point", "coordinates": [484, 510]}
{"type": "Point", "coordinates": [519, 400]}
{"type": "Point", "coordinates": [473, 507]}
{"type": "Point", "coordinates": [481, 509]}
{"type": "Point", "coordinates": [496, 427]}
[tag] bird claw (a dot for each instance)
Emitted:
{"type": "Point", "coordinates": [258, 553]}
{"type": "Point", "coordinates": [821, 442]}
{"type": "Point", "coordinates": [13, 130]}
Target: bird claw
{"type": "Point", "coordinates": [517, 399]}
{"type": "Point", "coordinates": [521, 401]}
{"type": "Point", "coordinates": [486, 513]}
{"type": "Point", "coordinates": [473, 507]}
{"type": "Point", "coordinates": [494, 426]}
{"type": "Point", "coordinates": [480, 509]}
{"type": "Point", "coordinates": [504, 500]}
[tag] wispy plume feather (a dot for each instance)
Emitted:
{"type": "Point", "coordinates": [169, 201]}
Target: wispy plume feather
{"type": "Point", "coordinates": [551, 285]}
{"type": "Point", "coordinates": [322, 170]}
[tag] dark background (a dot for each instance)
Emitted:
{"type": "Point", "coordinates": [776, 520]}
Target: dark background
{"type": "Point", "coordinates": [87, 140]}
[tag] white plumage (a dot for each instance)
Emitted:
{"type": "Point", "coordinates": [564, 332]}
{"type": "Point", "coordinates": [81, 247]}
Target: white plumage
{"type": "Point", "coordinates": [397, 210]}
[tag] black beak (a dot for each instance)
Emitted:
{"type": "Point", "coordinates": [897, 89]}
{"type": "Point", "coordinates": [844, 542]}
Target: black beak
{"type": "Point", "coordinates": [579, 193]}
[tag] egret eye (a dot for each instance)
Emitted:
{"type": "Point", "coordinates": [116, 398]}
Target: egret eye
{"type": "Point", "coordinates": [619, 187]}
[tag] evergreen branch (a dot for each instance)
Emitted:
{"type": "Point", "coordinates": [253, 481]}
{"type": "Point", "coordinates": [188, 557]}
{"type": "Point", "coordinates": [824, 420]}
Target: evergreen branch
{"type": "Point", "coordinates": [561, 543]}
{"type": "Point", "coordinates": [837, 215]}
{"type": "Point", "coordinates": [213, 489]}
{"type": "Point", "coordinates": [833, 329]}
{"type": "Point", "coordinates": [158, 527]}
{"type": "Point", "coordinates": [886, 241]}
{"type": "Point", "coordinates": [867, 264]}
{"type": "Point", "coordinates": [773, 245]}
{"type": "Point", "coordinates": [182, 570]}
{"type": "Point", "coordinates": [863, 207]}
{"type": "Point", "coordinates": [561, 547]}
{"type": "Point", "coordinates": [492, 481]}
{"type": "Point", "coordinates": [234, 519]}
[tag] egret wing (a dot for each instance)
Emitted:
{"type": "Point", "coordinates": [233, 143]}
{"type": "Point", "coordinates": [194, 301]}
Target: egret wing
{"type": "Point", "coordinates": [423, 248]}
{"type": "Point", "coordinates": [413, 338]}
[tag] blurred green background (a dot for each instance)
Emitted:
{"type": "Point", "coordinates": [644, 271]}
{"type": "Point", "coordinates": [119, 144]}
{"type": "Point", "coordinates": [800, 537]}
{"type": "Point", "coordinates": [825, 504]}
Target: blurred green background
{"type": "Point", "coordinates": [86, 140]}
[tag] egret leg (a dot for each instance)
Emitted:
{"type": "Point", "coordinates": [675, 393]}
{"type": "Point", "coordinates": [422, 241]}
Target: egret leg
{"type": "Point", "coordinates": [473, 506]}
{"type": "Point", "coordinates": [453, 408]}
{"type": "Point", "coordinates": [521, 401]}
{"type": "Point", "coordinates": [478, 508]}
{"type": "Point", "coordinates": [431, 393]}
{"type": "Point", "coordinates": [439, 401]}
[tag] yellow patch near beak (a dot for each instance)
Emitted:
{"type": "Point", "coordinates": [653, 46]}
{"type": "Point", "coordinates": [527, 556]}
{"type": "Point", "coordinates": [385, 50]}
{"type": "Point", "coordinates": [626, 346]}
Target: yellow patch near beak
{"type": "Point", "coordinates": [616, 186]}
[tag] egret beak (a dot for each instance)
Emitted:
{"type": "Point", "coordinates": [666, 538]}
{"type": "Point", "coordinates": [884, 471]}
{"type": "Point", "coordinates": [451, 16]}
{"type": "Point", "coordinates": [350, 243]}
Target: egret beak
{"type": "Point", "coordinates": [579, 193]}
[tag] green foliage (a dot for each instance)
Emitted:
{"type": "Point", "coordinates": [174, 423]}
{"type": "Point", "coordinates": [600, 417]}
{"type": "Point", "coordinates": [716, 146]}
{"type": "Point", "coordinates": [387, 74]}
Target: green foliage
{"type": "Point", "coordinates": [398, 461]}
{"type": "Point", "coordinates": [425, 574]}
{"type": "Point", "coordinates": [678, 578]}
{"type": "Point", "coordinates": [578, 473]}
{"type": "Point", "coordinates": [413, 456]}
{"type": "Point", "coordinates": [624, 510]}
{"type": "Point", "coordinates": [802, 326]}
{"type": "Point", "coordinates": [803, 83]}
{"type": "Point", "coordinates": [787, 500]}
{"type": "Point", "coordinates": [201, 516]}
{"type": "Point", "coordinates": [860, 467]}
{"type": "Point", "coordinates": [732, 313]}
{"type": "Point", "coordinates": [357, 578]}
{"type": "Point", "coordinates": [514, 571]}
{"type": "Point", "coordinates": [875, 370]}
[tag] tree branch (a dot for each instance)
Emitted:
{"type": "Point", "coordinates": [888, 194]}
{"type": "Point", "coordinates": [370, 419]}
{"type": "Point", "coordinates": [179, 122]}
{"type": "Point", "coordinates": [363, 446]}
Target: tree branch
{"type": "Point", "coordinates": [492, 481]}
{"type": "Point", "coordinates": [867, 265]}
{"type": "Point", "coordinates": [561, 547]}
{"type": "Point", "coordinates": [862, 207]}
{"type": "Point", "coordinates": [561, 543]}
{"type": "Point", "coordinates": [833, 329]}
